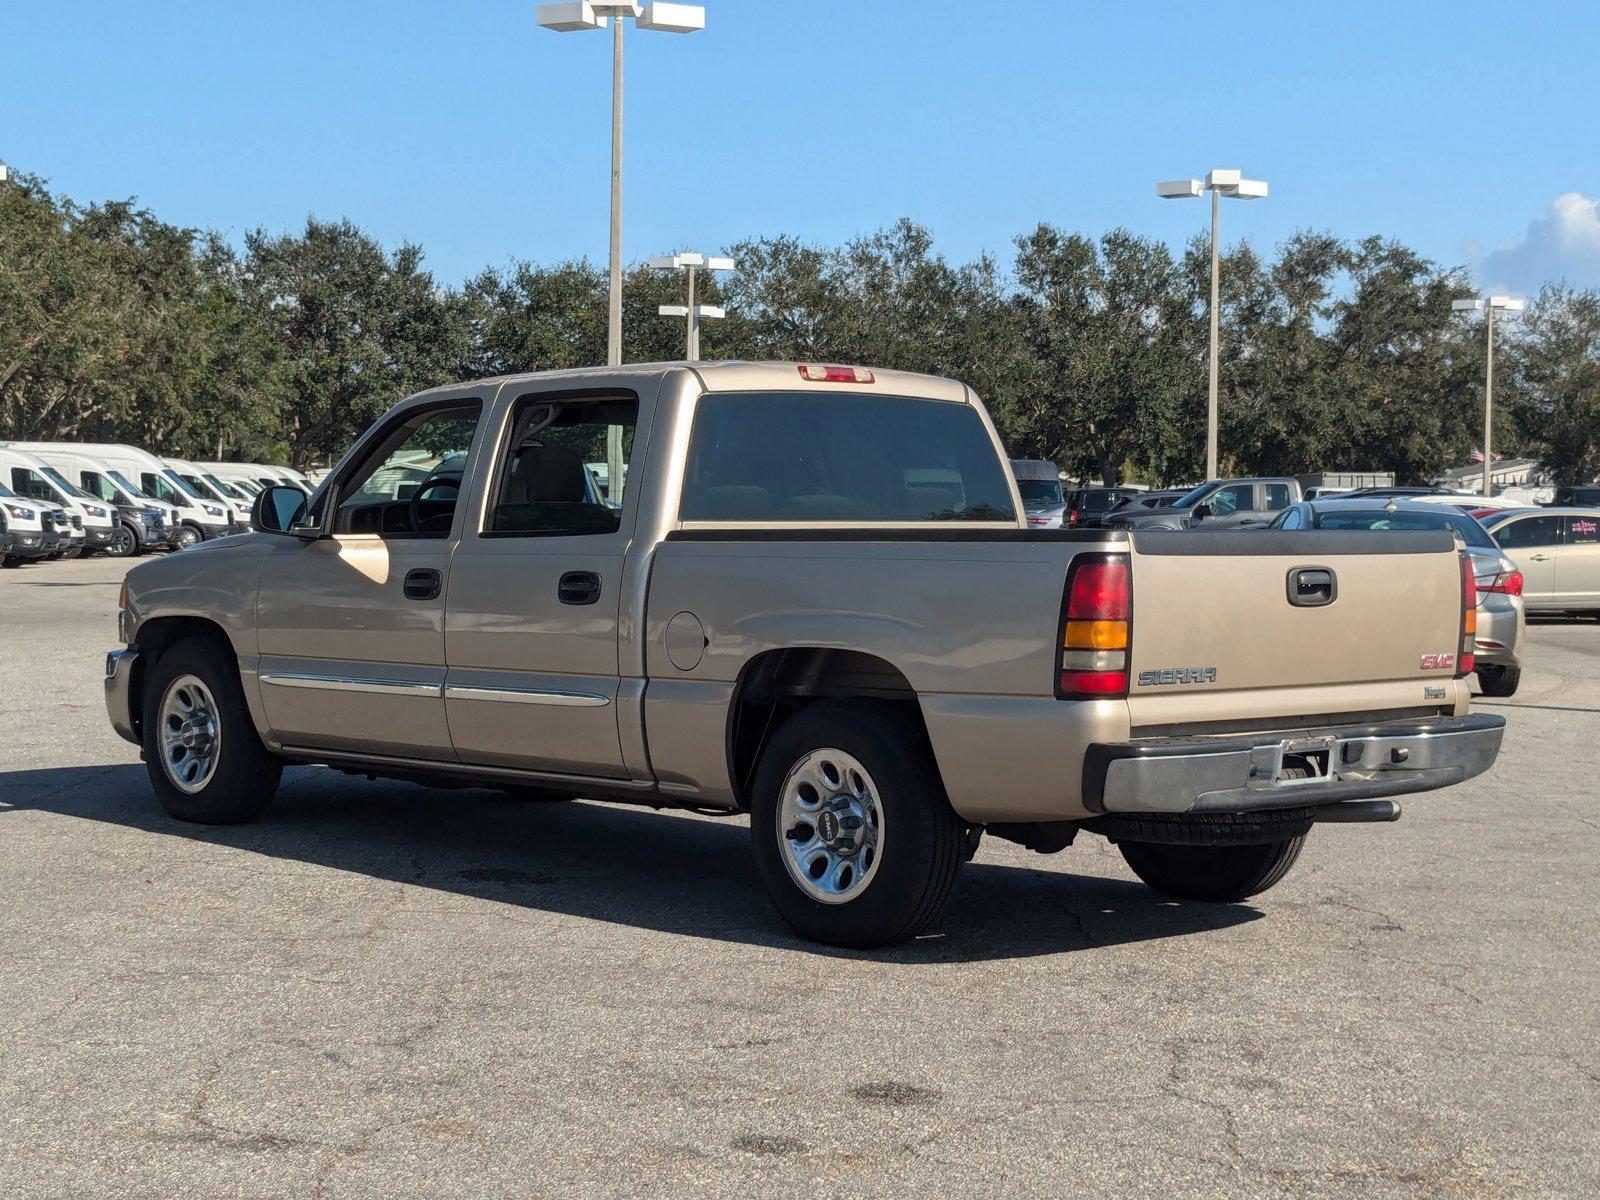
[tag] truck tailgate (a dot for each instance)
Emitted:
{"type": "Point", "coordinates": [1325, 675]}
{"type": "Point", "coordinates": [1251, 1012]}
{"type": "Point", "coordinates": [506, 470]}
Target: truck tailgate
{"type": "Point", "coordinates": [1237, 626]}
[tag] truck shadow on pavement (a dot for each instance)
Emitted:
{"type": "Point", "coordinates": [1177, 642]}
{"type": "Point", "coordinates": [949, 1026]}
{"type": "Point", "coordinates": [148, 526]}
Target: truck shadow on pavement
{"type": "Point", "coordinates": [664, 871]}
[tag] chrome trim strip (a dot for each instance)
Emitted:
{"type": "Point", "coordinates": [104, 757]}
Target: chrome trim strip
{"type": "Point", "coordinates": [348, 683]}
{"type": "Point", "coordinates": [512, 695]}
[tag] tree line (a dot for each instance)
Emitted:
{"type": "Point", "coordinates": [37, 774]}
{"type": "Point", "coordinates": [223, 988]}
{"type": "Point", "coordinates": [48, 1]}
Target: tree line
{"type": "Point", "coordinates": [1336, 354]}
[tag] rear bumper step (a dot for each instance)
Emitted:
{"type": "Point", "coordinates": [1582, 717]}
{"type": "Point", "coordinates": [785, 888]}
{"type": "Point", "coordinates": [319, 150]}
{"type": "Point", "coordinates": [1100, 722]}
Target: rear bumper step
{"type": "Point", "coordinates": [1326, 768]}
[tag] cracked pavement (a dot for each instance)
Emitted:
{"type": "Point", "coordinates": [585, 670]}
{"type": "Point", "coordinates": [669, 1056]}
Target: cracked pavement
{"type": "Point", "coordinates": [381, 990]}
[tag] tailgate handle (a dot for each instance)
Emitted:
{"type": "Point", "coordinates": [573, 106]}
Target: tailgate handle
{"type": "Point", "coordinates": [1312, 587]}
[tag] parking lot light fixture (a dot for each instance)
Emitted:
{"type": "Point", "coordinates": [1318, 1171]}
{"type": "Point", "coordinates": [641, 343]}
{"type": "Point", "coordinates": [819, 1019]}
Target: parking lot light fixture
{"type": "Point", "coordinates": [1488, 306]}
{"type": "Point", "coordinates": [1220, 183]}
{"type": "Point", "coordinates": [692, 312]}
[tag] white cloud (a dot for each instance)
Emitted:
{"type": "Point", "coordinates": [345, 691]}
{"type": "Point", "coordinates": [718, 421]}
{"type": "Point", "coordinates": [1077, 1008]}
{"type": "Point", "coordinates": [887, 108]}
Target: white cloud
{"type": "Point", "coordinates": [1565, 244]}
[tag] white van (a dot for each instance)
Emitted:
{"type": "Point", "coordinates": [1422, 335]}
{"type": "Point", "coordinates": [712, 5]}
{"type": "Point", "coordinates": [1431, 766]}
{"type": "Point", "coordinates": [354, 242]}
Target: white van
{"type": "Point", "coordinates": [28, 530]}
{"type": "Point", "coordinates": [259, 475]}
{"type": "Point", "coordinates": [208, 487]}
{"type": "Point", "coordinates": [193, 518]}
{"type": "Point", "coordinates": [90, 522]}
{"type": "Point", "coordinates": [143, 523]}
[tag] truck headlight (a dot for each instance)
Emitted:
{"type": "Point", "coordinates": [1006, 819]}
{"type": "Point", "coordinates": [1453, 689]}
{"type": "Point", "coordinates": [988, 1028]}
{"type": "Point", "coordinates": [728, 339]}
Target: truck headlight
{"type": "Point", "coordinates": [19, 513]}
{"type": "Point", "coordinates": [212, 509]}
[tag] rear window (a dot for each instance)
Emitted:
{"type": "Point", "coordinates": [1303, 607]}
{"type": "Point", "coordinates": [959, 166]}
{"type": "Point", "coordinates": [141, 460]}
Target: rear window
{"type": "Point", "coordinates": [801, 458]}
{"type": "Point", "coordinates": [1099, 501]}
{"type": "Point", "coordinates": [1463, 526]}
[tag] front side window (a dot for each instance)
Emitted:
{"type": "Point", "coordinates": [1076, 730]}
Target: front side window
{"type": "Point", "coordinates": [1234, 498]}
{"type": "Point", "coordinates": [97, 484]}
{"type": "Point", "coordinates": [842, 457]}
{"type": "Point", "coordinates": [407, 483]}
{"type": "Point", "coordinates": [162, 488]}
{"type": "Point", "coordinates": [1531, 531]}
{"type": "Point", "coordinates": [554, 475]}
{"type": "Point", "coordinates": [33, 485]}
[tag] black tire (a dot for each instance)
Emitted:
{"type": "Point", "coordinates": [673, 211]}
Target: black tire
{"type": "Point", "coordinates": [1499, 681]}
{"type": "Point", "coordinates": [123, 543]}
{"type": "Point", "coordinates": [189, 535]}
{"type": "Point", "coordinates": [245, 775]}
{"type": "Point", "coordinates": [1218, 874]}
{"type": "Point", "coordinates": [923, 837]}
{"type": "Point", "coordinates": [12, 561]}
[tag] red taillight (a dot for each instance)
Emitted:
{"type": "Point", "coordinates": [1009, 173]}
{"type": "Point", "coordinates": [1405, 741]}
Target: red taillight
{"type": "Point", "coordinates": [1477, 514]}
{"type": "Point", "coordinates": [1095, 629]}
{"type": "Point", "coordinates": [1072, 516]}
{"type": "Point", "coordinates": [821, 373]}
{"type": "Point", "coordinates": [1466, 659]}
{"type": "Point", "coordinates": [1505, 585]}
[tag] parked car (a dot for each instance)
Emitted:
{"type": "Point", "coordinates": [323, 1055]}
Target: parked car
{"type": "Point", "coordinates": [146, 522]}
{"type": "Point", "coordinates": [1218, 504]}
{"type": "Point", "coordinates": [820, 603]}
{"type": "Point", "coordinates": [1087, 506]}
{"type": "Point", "coordinates": [1148, 499]}
{"type": "Point", "coordinates": [1498, 638]}
{"type": "Point", "coordinates": [1039, 485]}
{"type": "Point", "coordinates": [1558, 551]}
{"type": "Point", "coordinates": [1577, 496]}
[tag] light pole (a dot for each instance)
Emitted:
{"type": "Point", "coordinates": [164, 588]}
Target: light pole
{"type": "Point", "coordinates": [573, 18]}
{"type": "Point", "coordinates": [1219, 183]}
{"type": "Point", "coordinates": [1488, 305]}
{"type": "Point", "coordinates": [694, 313]}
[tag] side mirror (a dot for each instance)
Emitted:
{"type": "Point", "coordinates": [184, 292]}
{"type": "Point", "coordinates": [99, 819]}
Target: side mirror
{"type": "Point", "coordinates": [1202, 511]}
{"type": "Point", "coordinates": [279, 510]}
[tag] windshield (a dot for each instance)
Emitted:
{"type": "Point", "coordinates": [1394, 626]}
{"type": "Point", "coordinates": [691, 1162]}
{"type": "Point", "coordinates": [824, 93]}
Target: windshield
{"type": "Point", "coordinates": [7, 494]}
{"type": "Point", "coordinates": [250, 486]}
{"type": "Point", "coordinates": [1040, 491]}
{"type": "Point", "coordinates": [126, 486]}
{"type": "Point", "coordinates": [1463, 526]}
{"type": "Point", "coordinates": [178, 482]}
{"type": "Point", "coordinates": [224, 489]}
{"type": "Point", "coordinates": [55, 477]}
{"type": "Point", "coordinates": [1191, 498]}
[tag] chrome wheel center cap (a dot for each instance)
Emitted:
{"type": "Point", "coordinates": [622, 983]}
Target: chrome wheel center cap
{"type": "Point", "coordinates": [840, 826]}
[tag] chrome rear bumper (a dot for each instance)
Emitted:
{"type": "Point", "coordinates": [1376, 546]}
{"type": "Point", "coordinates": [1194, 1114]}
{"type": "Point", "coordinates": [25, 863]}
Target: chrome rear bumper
{"type": "Point", "coordinates": [1242, 773]}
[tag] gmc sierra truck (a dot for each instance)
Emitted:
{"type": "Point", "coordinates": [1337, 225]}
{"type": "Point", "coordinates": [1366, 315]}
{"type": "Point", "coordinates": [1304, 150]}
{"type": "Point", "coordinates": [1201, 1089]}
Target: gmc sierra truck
{"type": "Point", "coordinates": [811, 596]}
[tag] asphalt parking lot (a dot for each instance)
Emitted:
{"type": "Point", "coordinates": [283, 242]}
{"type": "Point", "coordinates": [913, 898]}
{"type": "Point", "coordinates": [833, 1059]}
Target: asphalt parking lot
{"type": "Point", "coordinates": [381, 990]}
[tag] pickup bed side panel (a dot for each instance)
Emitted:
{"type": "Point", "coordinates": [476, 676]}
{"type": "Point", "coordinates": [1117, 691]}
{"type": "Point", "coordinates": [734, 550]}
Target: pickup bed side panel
{"type": "Point", "coordinates": [972, 626]}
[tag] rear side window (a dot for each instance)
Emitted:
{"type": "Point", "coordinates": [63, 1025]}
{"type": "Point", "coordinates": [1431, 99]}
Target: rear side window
{"type": "Point", "coordinates": [1278, 495]}
{"type": "Point", "coordinates": [801, 458]}
{"type": "Point", "coordinates": [1581, 531]}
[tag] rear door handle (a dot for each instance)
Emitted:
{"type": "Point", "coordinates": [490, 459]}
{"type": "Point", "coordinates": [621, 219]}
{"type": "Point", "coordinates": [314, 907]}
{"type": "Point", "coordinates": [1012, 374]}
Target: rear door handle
{"type": "Point", "coordinates": [579, 587]}
{"type": "Point", "coordinates": [423, 584]}
{"type": "Point", "coordinates": [1539, 558]}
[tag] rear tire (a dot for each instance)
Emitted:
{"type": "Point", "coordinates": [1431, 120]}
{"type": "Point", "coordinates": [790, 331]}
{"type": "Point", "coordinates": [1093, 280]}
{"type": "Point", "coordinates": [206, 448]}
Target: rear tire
{"type": "Point", "coordinates": [860, 774]}
{"type": "Point", "coordinates": [1499, 681]}
{"type": "Point", "coordinates": [204, 758]}
{"type": "Point", "coordinates": [1217, 874]}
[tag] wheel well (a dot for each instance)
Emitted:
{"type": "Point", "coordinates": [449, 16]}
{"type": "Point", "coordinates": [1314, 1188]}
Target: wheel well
{"type": "Point", "coordinates": [776, 684]}
{"type": "Point", "coordinates": [158, 635]}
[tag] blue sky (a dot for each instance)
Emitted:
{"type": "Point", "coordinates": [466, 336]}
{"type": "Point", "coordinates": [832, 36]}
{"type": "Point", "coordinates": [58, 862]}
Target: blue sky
{"type": "Point", "coordinates": [1467, 130]}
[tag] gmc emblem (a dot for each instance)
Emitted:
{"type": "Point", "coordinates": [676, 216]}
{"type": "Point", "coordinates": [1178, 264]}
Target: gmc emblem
{"type": "Point", "coordinates": [1438, 662]}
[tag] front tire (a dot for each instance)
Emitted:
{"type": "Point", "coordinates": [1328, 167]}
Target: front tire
{"type": "Point", "coordinates": [204, 758]}
{"type": "Point", "coordinates": [1499, 681]}
{"type": "Point", "coordinates": [123, 544]}
{"type": "Point", "coordinates": [854, 838]}
{"type": "Point", "coordinates": [188, 536]}
{"type": "Point", "coordinates": [1217, 874]}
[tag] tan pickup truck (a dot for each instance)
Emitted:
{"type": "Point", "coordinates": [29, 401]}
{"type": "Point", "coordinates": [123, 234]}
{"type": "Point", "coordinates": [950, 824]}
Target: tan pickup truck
{"type": "Point", "coordinates": [808, 593]}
